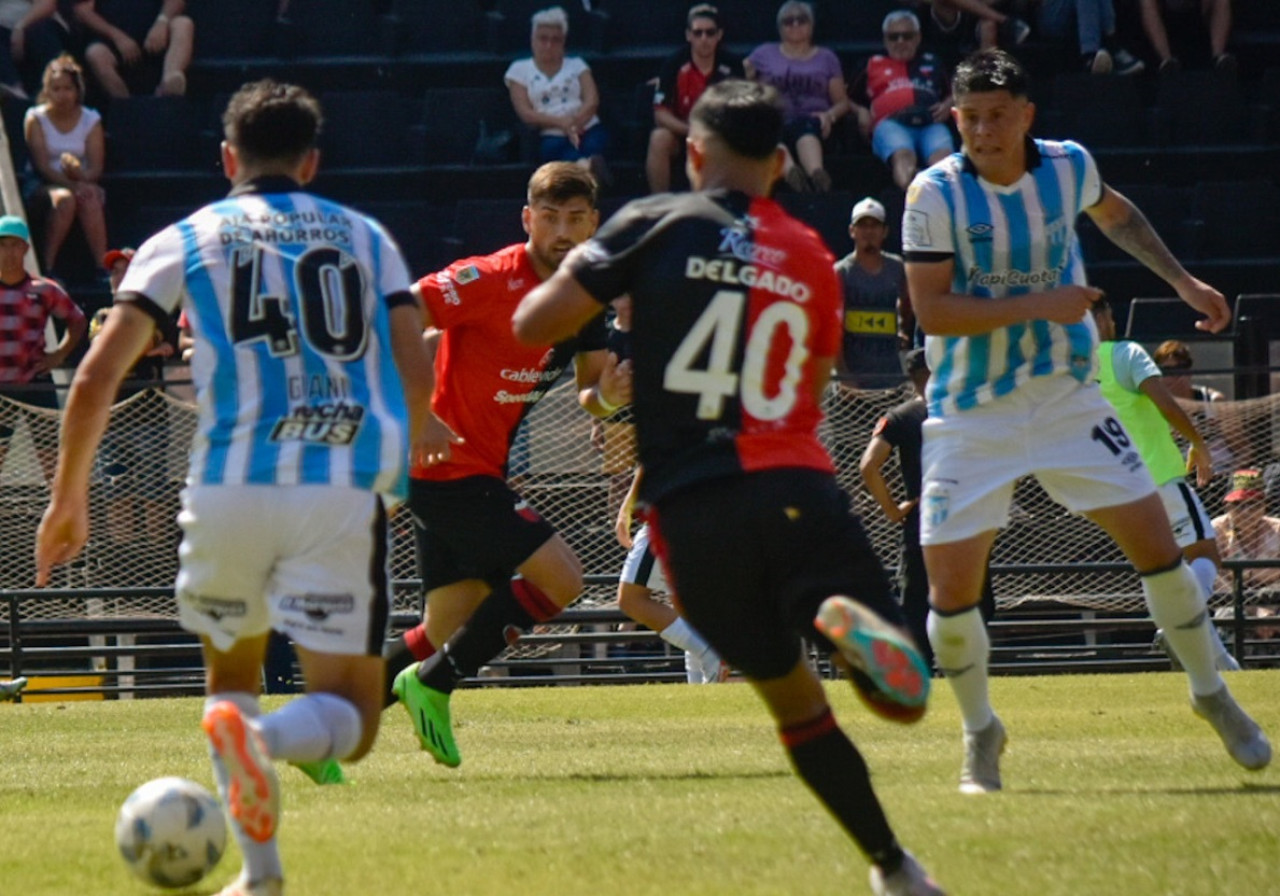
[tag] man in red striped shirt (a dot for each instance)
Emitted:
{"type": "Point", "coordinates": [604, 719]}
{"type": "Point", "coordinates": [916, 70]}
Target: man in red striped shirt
{"type": "Point", "coordinates": [26, 304]}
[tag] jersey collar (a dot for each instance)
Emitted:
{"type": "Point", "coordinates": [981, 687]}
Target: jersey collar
{"type": "Point", "coordinates": [271, 183]}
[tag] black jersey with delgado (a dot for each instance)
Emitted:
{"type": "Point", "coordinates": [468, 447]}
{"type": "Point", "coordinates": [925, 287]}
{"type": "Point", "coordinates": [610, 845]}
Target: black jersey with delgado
{"type": "Point", "coordinates": [732, 298]}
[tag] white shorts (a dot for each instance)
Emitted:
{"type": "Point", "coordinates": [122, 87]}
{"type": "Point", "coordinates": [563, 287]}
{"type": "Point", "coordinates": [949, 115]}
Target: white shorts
{"type": "Point", "coordinates": [642, 566]}
{"type": "Point", "coordinates": [1062, 432]}
{"type": "Point", "coordinates": [1190, 521]}
{"type": "Point", "coordinates": [309, 561]}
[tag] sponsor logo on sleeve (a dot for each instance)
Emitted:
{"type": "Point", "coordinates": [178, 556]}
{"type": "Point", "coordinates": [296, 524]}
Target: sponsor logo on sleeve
{"type": "Point", "coordinates": [915, 229]}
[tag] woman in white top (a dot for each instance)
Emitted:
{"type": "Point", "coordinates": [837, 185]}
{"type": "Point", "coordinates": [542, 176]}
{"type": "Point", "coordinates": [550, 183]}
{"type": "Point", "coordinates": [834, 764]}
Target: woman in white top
{"type": "Point", "coordinates": [557, 95]}
{"type": "Point", "coordinates": [65, 142]}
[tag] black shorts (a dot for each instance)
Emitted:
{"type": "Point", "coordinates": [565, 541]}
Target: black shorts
{"type": "Point", "coordinates": [472, 528]}
{"type": "Point", "coordinates": [752, 557]}
{"type": "Point", "coordinates": [41, 394]}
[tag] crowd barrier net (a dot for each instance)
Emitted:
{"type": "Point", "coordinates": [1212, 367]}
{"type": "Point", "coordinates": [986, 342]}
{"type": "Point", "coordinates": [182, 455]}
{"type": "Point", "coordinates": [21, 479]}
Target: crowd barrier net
{"type": "Point", "coordinates": [573, 470]}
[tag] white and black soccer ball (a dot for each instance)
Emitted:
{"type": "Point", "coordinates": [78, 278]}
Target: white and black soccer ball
{"type": "Point", "coordinates": [171, 832]}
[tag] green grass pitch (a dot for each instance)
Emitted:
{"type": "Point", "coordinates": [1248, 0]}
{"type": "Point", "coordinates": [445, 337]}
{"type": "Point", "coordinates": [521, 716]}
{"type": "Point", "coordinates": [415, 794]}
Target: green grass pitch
{"type": "Point", "coordinates": [1114, 788]}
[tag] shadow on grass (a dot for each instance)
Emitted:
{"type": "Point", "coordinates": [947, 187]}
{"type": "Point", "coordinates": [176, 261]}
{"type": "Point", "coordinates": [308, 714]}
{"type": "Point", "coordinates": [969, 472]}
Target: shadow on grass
{"type": "Point", "coordinates": [1246, 788]}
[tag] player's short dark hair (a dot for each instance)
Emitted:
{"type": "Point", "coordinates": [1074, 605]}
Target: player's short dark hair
{"type": "Point", "coordinates": [987, 71]}
{"type": "Point", "coordinates": [561, 181]}
{"type": "Point", "coordinates": [702, 11]}
{"type": "Point", "coordinates": [268, 121]}
{"type": "Point", "coordinates": [746, 115]}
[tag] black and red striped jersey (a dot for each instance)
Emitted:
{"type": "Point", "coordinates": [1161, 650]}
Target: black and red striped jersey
{"type": "Point", "coordinates": [735, 314]}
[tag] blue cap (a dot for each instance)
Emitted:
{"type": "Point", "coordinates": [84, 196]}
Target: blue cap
{"type": "Point", "coordinates": [12, 225]}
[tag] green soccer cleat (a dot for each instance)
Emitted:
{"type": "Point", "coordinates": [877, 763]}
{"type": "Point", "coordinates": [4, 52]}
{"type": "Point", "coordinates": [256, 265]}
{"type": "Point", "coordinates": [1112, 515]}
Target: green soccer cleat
{"type": "Point", "coordinates": [429, 711]}
{"type": "Point", "coordinates": [323, 771]}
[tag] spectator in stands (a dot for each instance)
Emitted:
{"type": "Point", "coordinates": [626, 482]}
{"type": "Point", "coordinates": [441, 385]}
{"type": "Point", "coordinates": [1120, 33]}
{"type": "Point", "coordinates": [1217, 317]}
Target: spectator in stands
{"type": "Point", "coordinates": [684, 75]}
{"type": "Point", "coordinates": [874, 284]}
{"type": "Point", "coordinates": [990, 25]}
{"type": "Point", "coordinates": [908, 101]}
{"type": "Point", "coordinates": [138, 46]}
{"type": "Point", "coordinates": [1221, 429]}
{"type": "Point", "coordinates": [116, 263]}
{"type": "Point", "coordinates": [28, 303]}
{"type": "Point", "coordinates": [1217, 20]}
{"type": "Point", "coordinates": [32, 34]}
{"type": "Point", "coordinates": [557, 95]}
{"type": "Point", "coordinates": [67, 151]}
{"type": "Point", "coordinates": [1245, 532]}
{"type": "Point", "coordinates": [1094, 22]}
{"type": "Point", "coordinates": [812, 85]}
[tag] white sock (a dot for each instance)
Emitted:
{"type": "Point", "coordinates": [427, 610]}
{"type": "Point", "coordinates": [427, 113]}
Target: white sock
{"type": "Point", "coordinates": [1177, 605]}
{"type": "Point", "coordinates": [962, 651]}
{"type": "Point", "coordinates": [312, 727]}
{"type": "Point", "coordinates": [681, 636]}
{"type": "Point", "coordinates": [692, 668]}
{"type": "Point", "coordinates": [261, 860]}
{"type": "Point", "coordinates": [1206, 572]}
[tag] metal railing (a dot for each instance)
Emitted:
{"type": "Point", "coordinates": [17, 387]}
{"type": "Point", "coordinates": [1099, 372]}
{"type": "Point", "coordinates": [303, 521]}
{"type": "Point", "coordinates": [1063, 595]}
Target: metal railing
{"type": "Point", "coordinates": [123, 657]}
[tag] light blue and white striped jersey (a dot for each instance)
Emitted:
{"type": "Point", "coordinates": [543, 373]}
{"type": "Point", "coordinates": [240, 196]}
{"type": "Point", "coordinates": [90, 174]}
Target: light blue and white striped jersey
{"type": "Point", "coordinates": [288, 297]}
{"type": "Point", "coordinates": [1005, 240]}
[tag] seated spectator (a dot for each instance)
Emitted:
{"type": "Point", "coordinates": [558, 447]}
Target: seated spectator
{"type": "Point", "coordinates": [557, 95]}
{"type": "Point", "coordinates": [1245, 532]}
{"type": "Point", "coordinates": [28, 303]}
{"type": "Point", "coordinates": [683, 77]}
{"type": "Point", "coordinates": [137, 46]}
{"type": "Point", "coordinates": [874, 283]}
{"type": "Point", "coordinates": [116, 263]}
{"type": "Point", "coordinates": [32, 34]}
{"type": "Point", "coordinates": [812, 85]}
{"type": "Point", "coordinates": [908, 101]}
{"type": "Point", "coordinates": [1094, 23]}
{"type": "Point", "coordinates": [990, 26]}
{"type": "Point", "coordinates": [67, 150]}
{"type": "Point", "coordinates": [1217, 20]}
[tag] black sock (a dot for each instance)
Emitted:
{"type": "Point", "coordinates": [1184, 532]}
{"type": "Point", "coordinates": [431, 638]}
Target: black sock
{"type": "Point", "coordinates": [510, 610]}
{"type": "Point", "coordinates": [398, 657]}
{"type": "Point", "coordinates": [831, 765]}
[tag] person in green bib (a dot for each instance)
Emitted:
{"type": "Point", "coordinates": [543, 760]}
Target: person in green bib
{"type": "Point", "coordinates": [1131, 382]}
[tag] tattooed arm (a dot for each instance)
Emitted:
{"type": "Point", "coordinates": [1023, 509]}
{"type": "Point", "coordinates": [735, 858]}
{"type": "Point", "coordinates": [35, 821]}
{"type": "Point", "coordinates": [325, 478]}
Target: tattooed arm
{"type": "Point", "coordinates": [1129, 229]}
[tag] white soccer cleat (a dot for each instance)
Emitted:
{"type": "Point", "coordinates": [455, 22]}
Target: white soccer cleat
{"type": "Point", "coordinates": [982, 749]}
{"type": "Point", "coordinates": [1240, 734]}
{"type": "Point", "coordinates": [909, 880]}
{"type": "Point", "coordinates": [9, 690]}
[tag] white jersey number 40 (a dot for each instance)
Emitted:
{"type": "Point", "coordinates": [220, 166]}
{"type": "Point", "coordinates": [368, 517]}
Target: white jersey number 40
{"type": "Point", "coordinates": [715, 334]}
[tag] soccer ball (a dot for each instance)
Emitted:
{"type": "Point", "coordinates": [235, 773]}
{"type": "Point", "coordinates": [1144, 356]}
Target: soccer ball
{"type": "Point", "coordinates": [171, 832]}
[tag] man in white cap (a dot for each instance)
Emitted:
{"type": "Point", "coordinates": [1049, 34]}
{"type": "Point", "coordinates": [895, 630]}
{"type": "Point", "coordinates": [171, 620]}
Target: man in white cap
{"type": "Point", "coordinates": [25, 362]}
{"type": "Point", "coordinates": [875, 289]}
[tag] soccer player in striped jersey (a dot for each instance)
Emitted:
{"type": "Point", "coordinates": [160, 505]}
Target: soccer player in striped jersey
{"type": "Point", "coordinates": [735, 329]}
{"type": "Point", "coordinates": [311, 383]}
{"type": "Point", "coordinates": [999, 287]}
